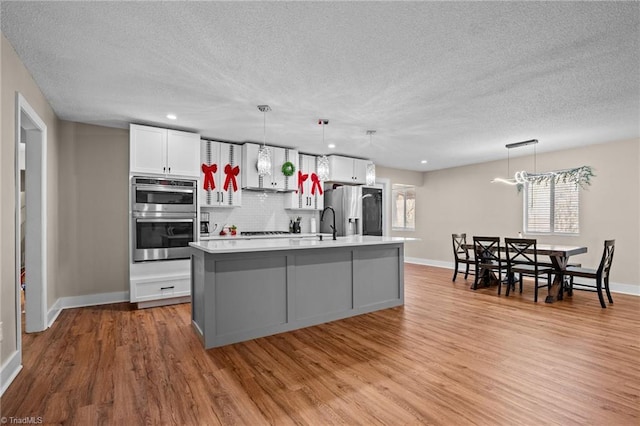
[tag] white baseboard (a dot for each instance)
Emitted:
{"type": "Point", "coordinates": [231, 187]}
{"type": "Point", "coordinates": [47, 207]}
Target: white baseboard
{"type": "Point", "coordinates": [632, 289]}
{"type": "Point", "coordinates": [9, 371]}
{"type": "Point", "coordinates": [85, 300]}
{"type": "Point", "coordinates": [429, 262]}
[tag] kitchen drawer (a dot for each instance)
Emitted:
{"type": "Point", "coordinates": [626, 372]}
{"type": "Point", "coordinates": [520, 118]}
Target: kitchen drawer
{"type": "Point", "coordinates": [161, 289]}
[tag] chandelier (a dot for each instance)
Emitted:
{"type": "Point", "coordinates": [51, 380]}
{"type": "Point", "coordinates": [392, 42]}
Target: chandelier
{"type": "Point", "coordinates": [264, 154]}
{"type": "Point", "coordinates": [578, 175]}
{"type": "Point", "coordinates": [323, 161]}
{"type": "Point", "coordinates": [370, 175]}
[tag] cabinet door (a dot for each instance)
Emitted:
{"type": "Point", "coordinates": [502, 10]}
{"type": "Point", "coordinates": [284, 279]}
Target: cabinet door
{"type": "Point", "coordinates": [230, 174]}
{"type": "Point", "coordinates": [291, 182]}
{"type": "Point", "coordinates": [340, 169]}
{"type": "Point", "coordinates": [277, 179]}
{"type": "Point", "coordinates": [147, 149]}
{"type": "Point", "coordinates": [249, 170]}
{"type": "Point", "coordinates": [183, 153]}
{"type": "Point", "coordinates": [317, 189]}
{"type": "Point", "coordinates": [360, 171]}
{"type": "Point", "coordinates": [209, 173]}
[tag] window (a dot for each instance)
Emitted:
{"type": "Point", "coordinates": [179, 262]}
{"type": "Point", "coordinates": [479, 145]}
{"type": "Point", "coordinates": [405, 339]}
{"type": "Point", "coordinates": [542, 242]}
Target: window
{"type": "Point", "coordinates": [403, 207]}
{"type": "Point", "coordinates": [552, 208]}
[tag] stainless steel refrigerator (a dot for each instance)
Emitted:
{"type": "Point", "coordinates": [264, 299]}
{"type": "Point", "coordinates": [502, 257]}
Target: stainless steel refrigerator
{"type": "Point", "coordinates": [358, 210]}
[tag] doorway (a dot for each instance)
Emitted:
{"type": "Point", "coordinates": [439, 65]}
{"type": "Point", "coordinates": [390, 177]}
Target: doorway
{"type": "Point", "coordinates": [31, 186]}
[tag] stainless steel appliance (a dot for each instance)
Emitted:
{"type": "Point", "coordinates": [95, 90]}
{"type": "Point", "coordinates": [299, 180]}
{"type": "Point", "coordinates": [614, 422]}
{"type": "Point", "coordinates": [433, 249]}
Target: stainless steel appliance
{"type": "Point", "coordinates": [358, 210]}
{"type": "Point", "coordinates": [163, 218]}
{"type": "Point", "coordinates": [163, 195]}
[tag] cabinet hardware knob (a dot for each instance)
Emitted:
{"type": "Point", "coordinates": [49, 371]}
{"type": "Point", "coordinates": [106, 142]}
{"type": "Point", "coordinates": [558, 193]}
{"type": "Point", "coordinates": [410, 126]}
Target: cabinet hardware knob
{"type": "Point", "coordinates": [168, 288]}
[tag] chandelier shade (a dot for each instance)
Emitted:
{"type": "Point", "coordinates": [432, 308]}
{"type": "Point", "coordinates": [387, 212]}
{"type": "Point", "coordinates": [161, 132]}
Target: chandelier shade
{"type": "Point", "coordinates": [264, 153]}
{"type": "Point", "coordinates": [323, 168]}
{"type": "Point", "coordinates": [370, 176]}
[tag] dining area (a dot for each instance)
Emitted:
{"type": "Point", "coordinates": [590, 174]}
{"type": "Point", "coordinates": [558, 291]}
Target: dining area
{"type": "Point", "coordinates": [513, 262]}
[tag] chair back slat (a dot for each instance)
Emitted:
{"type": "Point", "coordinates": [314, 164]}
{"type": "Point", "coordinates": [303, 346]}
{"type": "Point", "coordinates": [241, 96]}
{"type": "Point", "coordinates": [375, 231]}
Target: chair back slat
{"type": "Point", "coordinates": [521, 251]}
{"type": "Point", "coordinates": [607, 258]}
{"type": "Point", "coordinates": [487, 249]}
{"type": "Point", "coordinates": [459, 241]}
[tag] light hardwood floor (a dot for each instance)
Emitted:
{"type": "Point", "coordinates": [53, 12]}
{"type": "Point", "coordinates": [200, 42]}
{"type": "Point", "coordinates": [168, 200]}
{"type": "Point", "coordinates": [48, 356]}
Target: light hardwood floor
{"type": "Point", "coordinates": [450, 356]}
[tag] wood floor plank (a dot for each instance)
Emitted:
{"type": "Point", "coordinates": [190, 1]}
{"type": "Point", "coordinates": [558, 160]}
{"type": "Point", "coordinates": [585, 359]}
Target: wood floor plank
{"type": "Point", "coordinates": [450, 355]}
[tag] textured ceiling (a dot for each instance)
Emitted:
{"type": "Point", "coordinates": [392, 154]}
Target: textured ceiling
{"type": "Point", "coordinates": [447, 82]}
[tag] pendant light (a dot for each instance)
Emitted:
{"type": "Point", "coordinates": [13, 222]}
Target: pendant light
{"type": "Point", "coordinates": [323, 161]}
{"type": "Point", "coordinates": [371, 167]}
{"type": "Point", "coordinates": [264, 154]}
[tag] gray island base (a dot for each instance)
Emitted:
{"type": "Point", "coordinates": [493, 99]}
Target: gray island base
{"type": "Point", "coordinates": [246, 289]}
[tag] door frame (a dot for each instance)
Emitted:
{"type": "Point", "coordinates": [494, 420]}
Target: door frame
{"type": "Point", "coordinates": [36, 222]}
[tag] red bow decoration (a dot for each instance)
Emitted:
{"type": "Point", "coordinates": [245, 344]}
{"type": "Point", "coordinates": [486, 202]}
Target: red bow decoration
{"type": "Point", "coordinates": [316, 183]}
{"type": "Point", "coordinates": [209, 182]}
{"type": "Point", "coordinates": [301, 179]}
{"type": "Point", "coordinates": [231, 173]}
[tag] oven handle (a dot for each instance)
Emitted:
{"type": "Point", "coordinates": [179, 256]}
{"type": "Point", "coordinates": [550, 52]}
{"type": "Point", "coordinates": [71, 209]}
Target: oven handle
{"type": "Point", "coordinates": [140, 220]}
{"type": "Point", "coordinates": [163, 188]}
{"type": "Point", "coordinates": [163, 215]}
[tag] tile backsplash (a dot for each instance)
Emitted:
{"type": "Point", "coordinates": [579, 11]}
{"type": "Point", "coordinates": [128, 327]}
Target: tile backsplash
{"type": "Point", "coordinates": [261, 211]}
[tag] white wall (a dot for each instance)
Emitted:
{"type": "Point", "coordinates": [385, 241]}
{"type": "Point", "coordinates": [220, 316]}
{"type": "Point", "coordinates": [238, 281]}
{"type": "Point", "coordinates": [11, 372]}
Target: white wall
{"type": "Point", "coordinates": [462, 199]}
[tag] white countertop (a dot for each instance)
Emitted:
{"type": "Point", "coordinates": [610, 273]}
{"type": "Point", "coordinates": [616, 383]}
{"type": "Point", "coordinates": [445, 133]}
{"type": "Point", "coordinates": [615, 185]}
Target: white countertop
{"type": "Point", "coordinates": [291, 243]}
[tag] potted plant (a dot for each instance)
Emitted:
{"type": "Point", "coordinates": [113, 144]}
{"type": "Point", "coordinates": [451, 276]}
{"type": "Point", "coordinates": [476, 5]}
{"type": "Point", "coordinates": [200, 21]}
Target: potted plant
{"type": "Point", "coordinates": [233, 229]}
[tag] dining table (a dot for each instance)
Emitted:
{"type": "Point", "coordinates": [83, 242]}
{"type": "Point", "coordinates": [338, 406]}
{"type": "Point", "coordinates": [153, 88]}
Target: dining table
{"type": "Point", "coordinates": [559, 256]}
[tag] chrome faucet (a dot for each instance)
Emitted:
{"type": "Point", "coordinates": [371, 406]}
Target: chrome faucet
{"type": "Point", "coordinates": [333, 227]}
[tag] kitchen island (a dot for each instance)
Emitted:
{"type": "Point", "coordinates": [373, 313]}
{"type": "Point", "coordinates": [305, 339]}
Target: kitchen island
{"type": "Point", "coordinates": [244, 289]}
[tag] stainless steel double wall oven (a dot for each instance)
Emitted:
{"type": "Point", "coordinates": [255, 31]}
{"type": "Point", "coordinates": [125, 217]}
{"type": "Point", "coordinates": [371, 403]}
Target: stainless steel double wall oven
{"type": "Point", "coordinates": [163, 218]}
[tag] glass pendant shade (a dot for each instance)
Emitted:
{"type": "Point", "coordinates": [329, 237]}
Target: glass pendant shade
{"type": "Point", "coordinates": [371, 174]}
{"type": "Point", "coordinates": [264, 161]}
{"type": "Point", "coordinates": [323, 168]}
{"type": "Point", "coordinates": [264, 154]}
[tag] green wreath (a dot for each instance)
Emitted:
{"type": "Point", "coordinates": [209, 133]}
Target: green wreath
{"type": "Point", "coordinates": [288, 169]}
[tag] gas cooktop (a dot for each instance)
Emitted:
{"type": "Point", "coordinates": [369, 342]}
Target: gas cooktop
{"type": "Point", "coordinates": [252, 233]}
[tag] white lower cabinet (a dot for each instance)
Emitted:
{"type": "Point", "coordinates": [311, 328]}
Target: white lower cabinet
{"type": "Point", "coordinates": [165, 289]}
{"type": "Point", "coordinates": [160, 282]}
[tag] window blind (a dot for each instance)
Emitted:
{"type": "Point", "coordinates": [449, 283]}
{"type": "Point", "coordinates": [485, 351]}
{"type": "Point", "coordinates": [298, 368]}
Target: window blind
{"type": "Point", "coordinates": [552, 208]}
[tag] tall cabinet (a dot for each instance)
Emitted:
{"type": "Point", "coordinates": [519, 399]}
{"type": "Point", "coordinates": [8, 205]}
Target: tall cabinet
{"type": "Point", "coordinates": [220, 174]}
{"type": "Point", "coordinates": [167, 153]}
{"type": "Point", "coordinates": [157, 151]}
{"type": "Point", "coordinates": [309, 192]}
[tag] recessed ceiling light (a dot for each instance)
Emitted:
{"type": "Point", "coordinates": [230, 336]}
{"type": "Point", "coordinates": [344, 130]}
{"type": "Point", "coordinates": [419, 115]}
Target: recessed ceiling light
{"type": "Point", "coordinates": [332, 145]}
{"type": "Point", "coordinates": [424, 161]}
{"type": "Point", "coordinates": [171, 116]}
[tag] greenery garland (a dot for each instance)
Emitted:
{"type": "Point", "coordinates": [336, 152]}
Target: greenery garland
{"type": "Point", "coordinates": [579, 176]}
{"type": "Point", "coordinates": [288, 169]}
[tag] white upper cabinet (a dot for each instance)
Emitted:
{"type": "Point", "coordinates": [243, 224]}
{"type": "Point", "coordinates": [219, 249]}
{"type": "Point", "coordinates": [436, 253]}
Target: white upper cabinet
{"type": "Point", "coordinates": [276, 181]}
{"type": "Point", "coordinates": [347, 170]}
{"type": "Point", "coordinates": [220, 174]}
{"type": "Point", "coordinates": [309, 192]}
{"type": "Point", "coordinates": [154, 150]}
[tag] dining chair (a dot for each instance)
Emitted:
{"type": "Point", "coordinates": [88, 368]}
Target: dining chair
{"type": "Point", "coordinates": [600, 275]}
{"type": "Point", "coordinates": [488, 260]}
{"type": "Point", "coordinates": [522, 259]}
{"type": "Point", "coordinates": [461, 255]}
